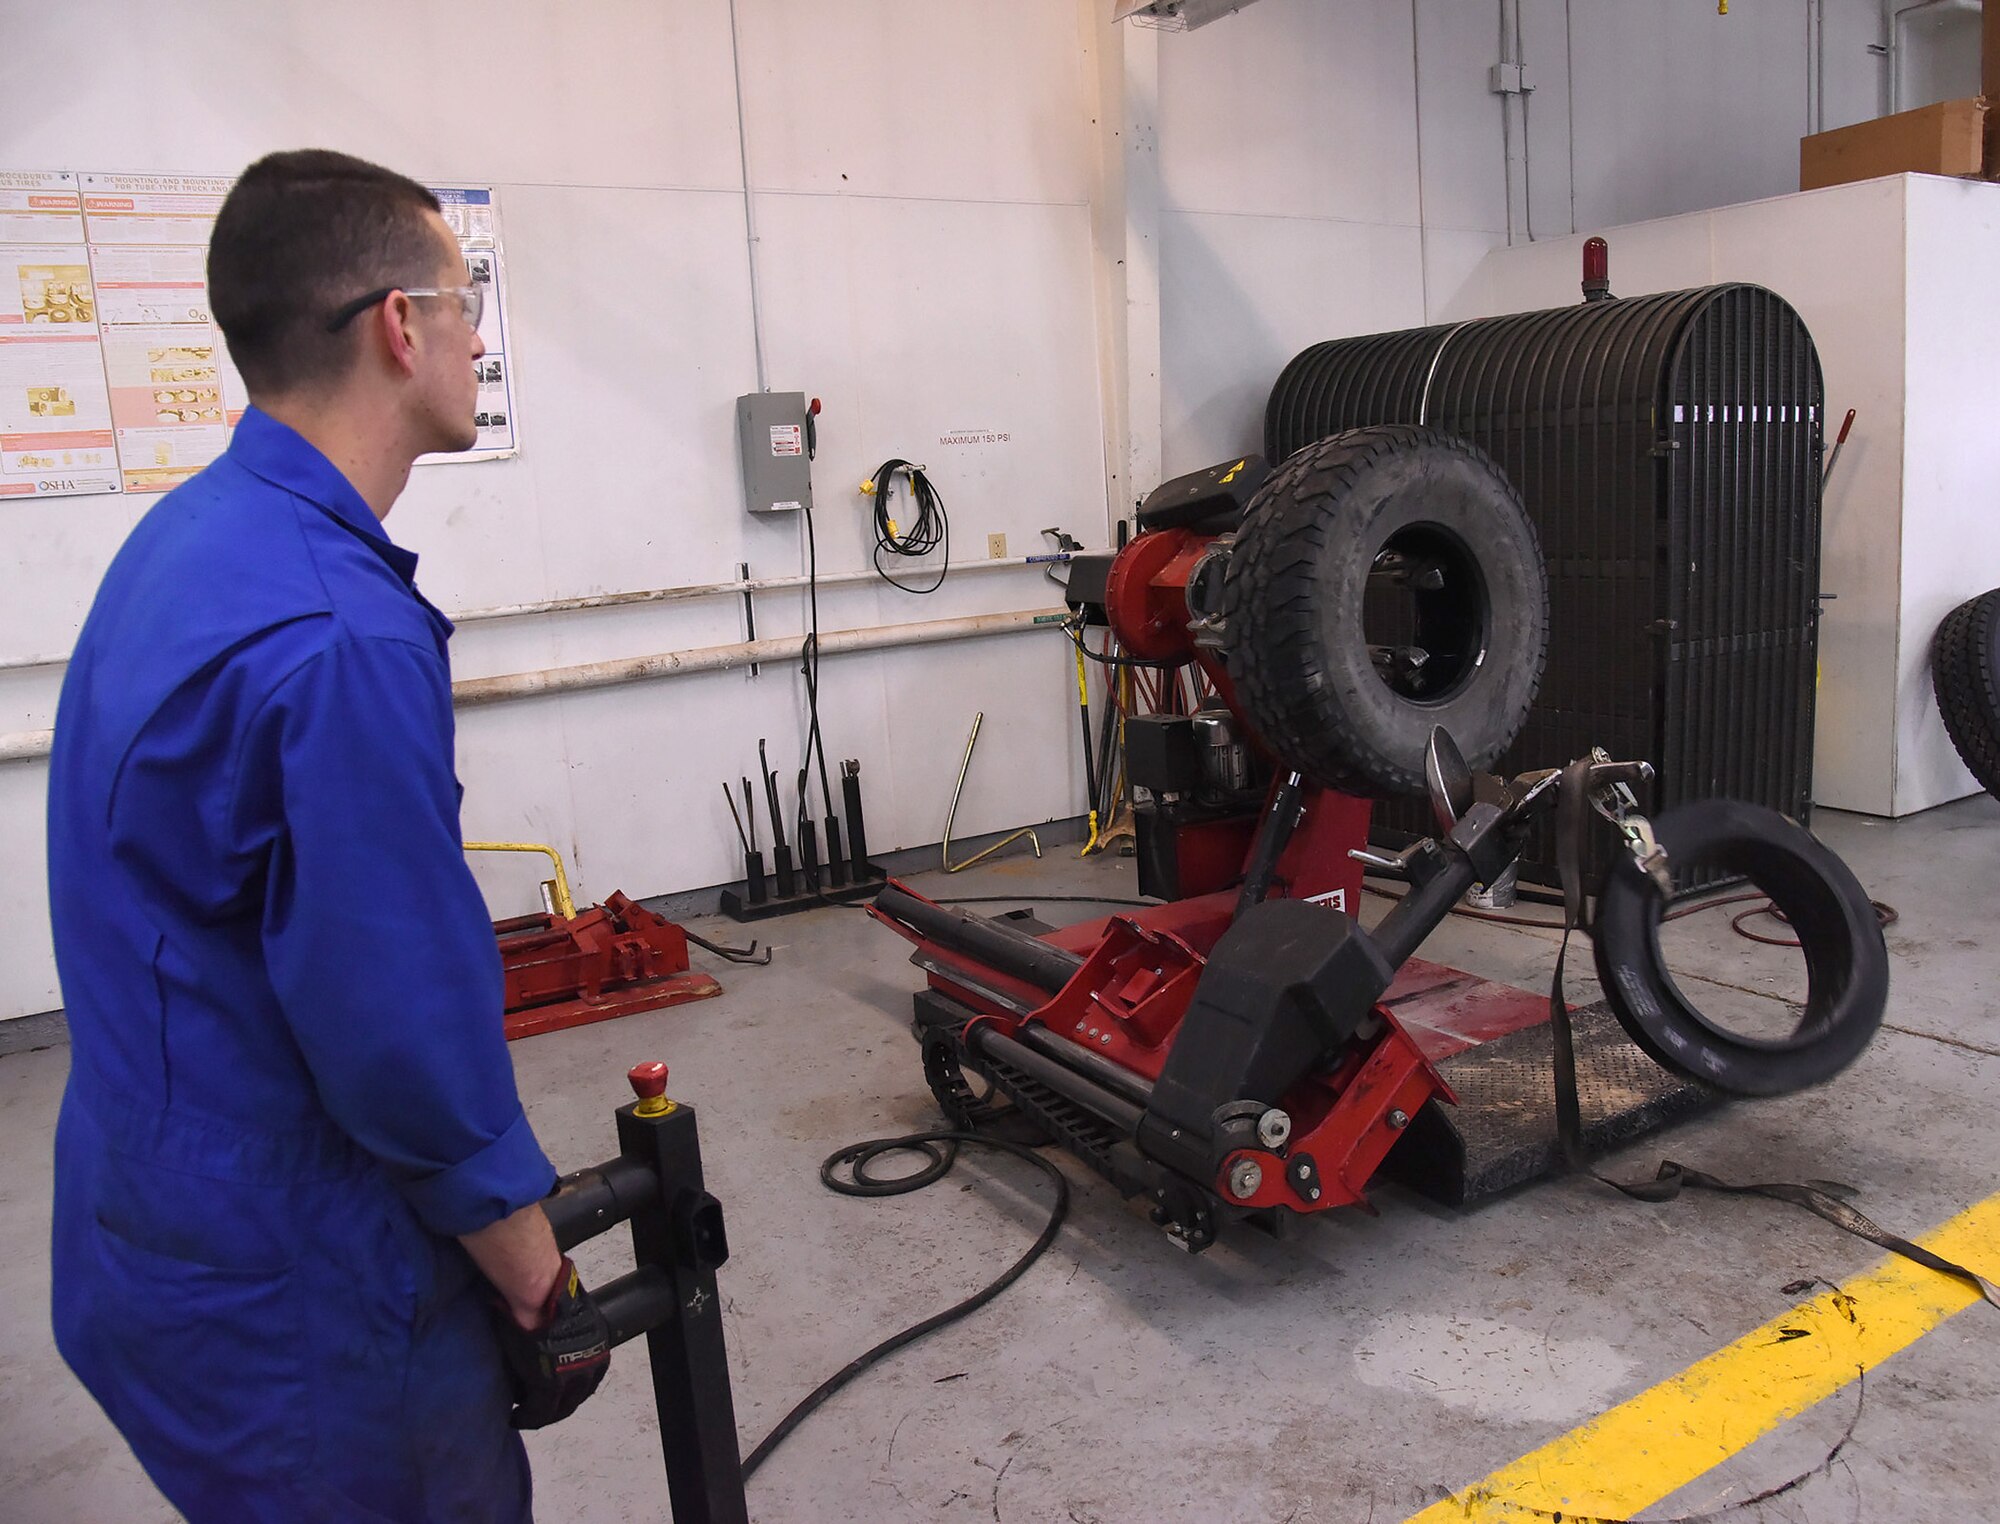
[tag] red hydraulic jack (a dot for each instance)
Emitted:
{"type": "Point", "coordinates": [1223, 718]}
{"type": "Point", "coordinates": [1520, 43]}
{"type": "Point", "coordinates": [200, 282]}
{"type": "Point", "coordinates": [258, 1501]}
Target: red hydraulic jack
{"type": "Point", "coordinates": [655, 1183]}
{"type": "Point", "coordinates": [565, 968]}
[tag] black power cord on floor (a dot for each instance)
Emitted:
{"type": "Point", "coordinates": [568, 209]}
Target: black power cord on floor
{"type": "Point", "coordinates": [941, 1147]}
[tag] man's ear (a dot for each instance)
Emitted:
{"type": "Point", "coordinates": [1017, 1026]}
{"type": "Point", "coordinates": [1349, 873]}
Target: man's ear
{"type": "Point", "coordinates": [396, 324]}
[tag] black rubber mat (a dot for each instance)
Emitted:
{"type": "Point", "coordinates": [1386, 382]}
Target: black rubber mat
{"type": "Point", "coordinates": [1502, 1133]}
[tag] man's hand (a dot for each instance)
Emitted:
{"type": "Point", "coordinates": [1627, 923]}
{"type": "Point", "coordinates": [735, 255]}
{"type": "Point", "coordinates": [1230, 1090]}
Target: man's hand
{"type": "Point", "coordinates": [559, 1360]}
{"type": "Point", "coordinates": [554, 1337]}
{"type": "Point", "coordinates": [518, 1255]}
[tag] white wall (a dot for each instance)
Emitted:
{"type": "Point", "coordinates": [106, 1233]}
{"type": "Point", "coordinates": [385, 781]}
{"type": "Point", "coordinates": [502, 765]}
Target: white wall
{"type": "Point", "coordinates": [1950, 548]}
{"type": "Point", "coordinates": [922, 178]}
{"type": "Point", "coordinates": [1290, 204]}
{"type": "Point", "coordinates": [1679, 108]}
{"type": "Point", "coordinates": [1333, 167]}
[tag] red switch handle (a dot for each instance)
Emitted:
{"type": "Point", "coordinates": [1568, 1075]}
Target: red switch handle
{"type": "Point", "coordinates": [649, 1081]}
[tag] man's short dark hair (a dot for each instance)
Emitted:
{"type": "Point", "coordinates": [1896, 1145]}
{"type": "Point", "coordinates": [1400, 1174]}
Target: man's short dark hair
{"type": "Point", "coordinates": [299, 234]}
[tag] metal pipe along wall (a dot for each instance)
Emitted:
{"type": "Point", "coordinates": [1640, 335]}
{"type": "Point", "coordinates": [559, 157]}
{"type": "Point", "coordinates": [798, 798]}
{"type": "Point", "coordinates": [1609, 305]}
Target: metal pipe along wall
{"type": "Point", "coordinates": [652, 595]}
{"type": "Point", "coordinates": [27, 745]}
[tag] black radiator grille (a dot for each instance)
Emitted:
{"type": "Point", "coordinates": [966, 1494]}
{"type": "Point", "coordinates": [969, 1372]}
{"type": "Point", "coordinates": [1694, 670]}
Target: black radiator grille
{"type": "Point", "coordinates": [1667, 449]}
{"type": "Point", "coordinates": [1743, 532]}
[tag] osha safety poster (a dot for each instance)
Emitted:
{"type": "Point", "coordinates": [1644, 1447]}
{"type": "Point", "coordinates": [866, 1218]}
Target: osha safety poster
{"type": "Point", "coordinates": [113, 375]}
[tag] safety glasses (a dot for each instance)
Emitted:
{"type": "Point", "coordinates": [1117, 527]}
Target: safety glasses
{"type": "Point", "coordinates": [471, 303]}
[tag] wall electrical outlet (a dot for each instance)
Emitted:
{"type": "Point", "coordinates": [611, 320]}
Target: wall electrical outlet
{"type": "Point", "coordinates": [996, 547]}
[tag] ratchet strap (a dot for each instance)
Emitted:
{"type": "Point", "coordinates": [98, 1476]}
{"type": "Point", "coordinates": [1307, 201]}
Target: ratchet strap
{"type": "Point", "coordinates": [1823, 1197]}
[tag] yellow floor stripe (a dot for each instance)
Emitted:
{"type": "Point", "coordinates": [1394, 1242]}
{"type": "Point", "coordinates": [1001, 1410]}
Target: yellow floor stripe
{"type": "Point", "coordinates": [1664, 1438]}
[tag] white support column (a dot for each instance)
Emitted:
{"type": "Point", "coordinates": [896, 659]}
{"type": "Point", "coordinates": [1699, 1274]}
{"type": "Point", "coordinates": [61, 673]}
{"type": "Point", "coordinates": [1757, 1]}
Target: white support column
{"type": "Point", "coordinates": [1142, 261]}
{"type": "Point", "coordinates": [1122, 64]}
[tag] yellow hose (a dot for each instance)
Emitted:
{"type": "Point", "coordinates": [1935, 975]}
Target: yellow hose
{"type": "Point", "coordinates": [1083, 703]}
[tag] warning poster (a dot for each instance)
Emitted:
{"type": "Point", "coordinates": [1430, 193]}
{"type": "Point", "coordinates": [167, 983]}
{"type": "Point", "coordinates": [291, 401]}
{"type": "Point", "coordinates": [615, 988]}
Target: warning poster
{"type": "Point", "coordinates": [471, 213]}
{"type": "Point", "coordinates": [173, 392]}
{"type": "Point", "coordinates": [113, 375]}
{"type": "Point", "coordinates": [55, 410]}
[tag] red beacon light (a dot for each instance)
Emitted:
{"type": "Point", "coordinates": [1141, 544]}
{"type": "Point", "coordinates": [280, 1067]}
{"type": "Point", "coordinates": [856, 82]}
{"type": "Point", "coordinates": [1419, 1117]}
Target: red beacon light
{"type": "Point", "coordinates": [1596, 270]}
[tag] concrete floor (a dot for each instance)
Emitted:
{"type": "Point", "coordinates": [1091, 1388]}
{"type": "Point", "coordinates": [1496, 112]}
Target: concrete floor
{"type": "Point", "coordinates": [1360, 1371]}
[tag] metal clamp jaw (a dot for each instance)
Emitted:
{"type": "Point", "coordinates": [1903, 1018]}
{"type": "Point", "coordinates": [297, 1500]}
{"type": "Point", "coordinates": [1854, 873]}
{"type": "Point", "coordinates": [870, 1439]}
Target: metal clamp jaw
{"type": "Point", "coordinates": [1206, 626]}
{"type": "Point", "coordinates": [1612, 797]}
{"type": "Point", "coordinates": [1481, 827]}
{"type": "Point", "coordinates": [1608, 786]}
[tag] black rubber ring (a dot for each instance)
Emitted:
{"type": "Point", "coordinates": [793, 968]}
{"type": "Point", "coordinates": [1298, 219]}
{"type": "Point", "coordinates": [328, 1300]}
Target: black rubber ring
{"type": "Point", "coordinates": [1840, 935]}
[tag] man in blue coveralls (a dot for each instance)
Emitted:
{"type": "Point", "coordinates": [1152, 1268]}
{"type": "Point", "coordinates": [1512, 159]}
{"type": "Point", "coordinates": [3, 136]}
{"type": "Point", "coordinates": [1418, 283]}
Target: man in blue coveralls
{"type": "Point", "coordinates": [299, 1254]}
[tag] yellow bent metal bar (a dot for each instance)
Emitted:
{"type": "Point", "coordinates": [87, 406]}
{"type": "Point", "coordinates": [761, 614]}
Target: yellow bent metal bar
{"type": "Point", "coordinates": [565, 906]}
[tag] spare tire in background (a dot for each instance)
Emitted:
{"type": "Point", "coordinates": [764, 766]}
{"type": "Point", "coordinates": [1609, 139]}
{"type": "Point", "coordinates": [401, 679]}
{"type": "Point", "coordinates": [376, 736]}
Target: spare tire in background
{"type": "Point", "coordinates": [1437, 522]}
{"type": "Point", "coordinates": [1965, 673]}
{"type": "Point", "coordinates": [1840, 935]}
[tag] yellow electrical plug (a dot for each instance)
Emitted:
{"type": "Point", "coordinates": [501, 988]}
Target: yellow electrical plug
{"type": "Point", "coordinates": [868, 490]}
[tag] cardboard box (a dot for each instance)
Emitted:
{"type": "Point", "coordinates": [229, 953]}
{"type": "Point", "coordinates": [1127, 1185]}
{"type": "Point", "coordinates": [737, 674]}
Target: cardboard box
{"type": "Point", "coordinates": [1933, 140]}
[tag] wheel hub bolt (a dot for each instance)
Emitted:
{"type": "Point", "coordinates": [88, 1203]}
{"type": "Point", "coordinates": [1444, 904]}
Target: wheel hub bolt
{"type": "Point", "coordinates": [1245, 1175]}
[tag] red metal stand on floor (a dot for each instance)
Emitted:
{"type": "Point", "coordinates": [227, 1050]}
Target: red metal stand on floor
{"type": "Point", "coordinates": [613, 959]}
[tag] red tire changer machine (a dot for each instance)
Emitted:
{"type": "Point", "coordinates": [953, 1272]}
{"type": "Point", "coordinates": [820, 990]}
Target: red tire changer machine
{"type": "Point", "coordinates": [1247, 1051]}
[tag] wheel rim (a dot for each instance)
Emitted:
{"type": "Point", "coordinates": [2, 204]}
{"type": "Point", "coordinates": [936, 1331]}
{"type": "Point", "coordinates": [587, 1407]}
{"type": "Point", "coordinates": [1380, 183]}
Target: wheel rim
{"type": "Point", "coordinates": [1426, 615]}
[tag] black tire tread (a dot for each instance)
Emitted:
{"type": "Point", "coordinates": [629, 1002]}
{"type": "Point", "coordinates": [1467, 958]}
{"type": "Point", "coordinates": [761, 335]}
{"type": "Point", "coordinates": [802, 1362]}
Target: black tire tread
{"type": "Point", "coordinates": [1273, 571]}
{"type": "Point", "coordinates": [1968, 687]}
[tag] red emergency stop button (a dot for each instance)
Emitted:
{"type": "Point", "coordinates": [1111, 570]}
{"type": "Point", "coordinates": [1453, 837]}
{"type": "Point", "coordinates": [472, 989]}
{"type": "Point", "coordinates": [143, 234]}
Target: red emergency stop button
{"type": "Point", "coordinates": [649, 1084]}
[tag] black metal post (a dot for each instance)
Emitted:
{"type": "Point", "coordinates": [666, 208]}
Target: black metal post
{"type": "Point", "coordinates": [857, 828]}
{"type": "Point", "coordinates": [656, 1184]}
{"type": "Point", "coordinates": [1281, 818]}
{"type": "Point", "coordinates": [685, 1239]}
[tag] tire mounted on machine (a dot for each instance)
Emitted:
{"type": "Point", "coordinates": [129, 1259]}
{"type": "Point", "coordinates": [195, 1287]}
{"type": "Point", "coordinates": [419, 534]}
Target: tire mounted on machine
{"type": "Point", "coordinates": [1299, 653]}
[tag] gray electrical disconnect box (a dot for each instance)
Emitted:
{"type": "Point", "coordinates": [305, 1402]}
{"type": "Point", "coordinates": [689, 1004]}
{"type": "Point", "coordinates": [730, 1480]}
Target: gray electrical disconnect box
{"type": "Point", "coordinates": [771, 434]}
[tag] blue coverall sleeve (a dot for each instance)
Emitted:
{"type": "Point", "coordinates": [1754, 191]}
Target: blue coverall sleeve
{"type": "Point", "coordinates": [378, 942]}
